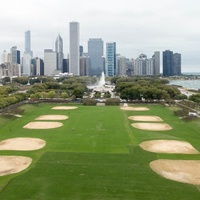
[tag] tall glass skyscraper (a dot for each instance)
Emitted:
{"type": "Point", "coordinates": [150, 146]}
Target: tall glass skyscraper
{"type": "Point", "coordinates": [28, 55]}
{"type": "Point", "coordinates": [171, 63]}
{"type": "Point", "coordinates": [176, 64]}
{"type": "Point", "coordinates": [15, 55]}
{"type": "Point", "coordinates": [167, 63]}
{"type": "Point", "coordinates": [111, 59]}
{"type": "Point", "coordinates": [95, 53]}
{"type": "Point", "coordinates": [74, 43]}
{"type": "Point", "coordinates": [28, 43]}
{"type": "Point", "coordinates": [59, 51]}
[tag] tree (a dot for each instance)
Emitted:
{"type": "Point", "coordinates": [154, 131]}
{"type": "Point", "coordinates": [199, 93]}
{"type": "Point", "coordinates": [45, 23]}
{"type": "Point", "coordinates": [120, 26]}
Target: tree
{"type": "Point", "coordinates": [195, 98]}
{"type": "Point", "coordinates": [51, 94]}
{"type": "Point", "coordinates": [78, 93]}
{"type": "Point", "coordinates": [64, 95]}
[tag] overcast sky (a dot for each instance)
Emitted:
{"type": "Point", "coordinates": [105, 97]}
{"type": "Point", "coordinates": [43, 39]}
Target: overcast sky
{"type": "Point", "coordinates": [141, 26]}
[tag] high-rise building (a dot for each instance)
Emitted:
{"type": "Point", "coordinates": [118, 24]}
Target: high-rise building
{"type": "Point", "coordinates": [81, 50]}
{"type": "Point", "coordinates": [74, 43]}
{"type": "Point", "coordinates": [150, 67]}
{"type": "Point", "coordinates": [59, 51]}
{"type": "Point", "coordinates": [140, 65]}
{"type": "Point", "coordinates": [37, 67]}
{"type": "Point", "coordinates": [156, 58]}
{"type": "Point", "coordinates": [84, 66]}
{"type": "Point", "coordinates": [121, 65]}
{"type": "Point", "coordinates": [111, 59]}
{"type": "Point", "coordinates": [50, 62]}
{"type": "Point", "coordinates": [171, 63]}
{"type": "Point", "coordinates": [28, 43]}
{"type": "Point", "coordinates": [28, 54]}
{"type": "Point", "coordinates": [15, 55]}
{"type": "Point", "coordinates": [176, 64]}
{"type": "Point", "coordinates": [167, 63]}
{"type": "Point", "coordinates": [5, 57]}
{"type": "Point", "coordinates": [65, 65]}
{"type": "Point", "coordinates": [26, 64]}
{"type": "Point", "coordinates": [143, 66]}
{"type": "Point", "coordinates": [95, 53]}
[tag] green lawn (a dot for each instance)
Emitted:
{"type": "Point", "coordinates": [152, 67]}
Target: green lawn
{"type": "Point", "coordinates": [95, 155]}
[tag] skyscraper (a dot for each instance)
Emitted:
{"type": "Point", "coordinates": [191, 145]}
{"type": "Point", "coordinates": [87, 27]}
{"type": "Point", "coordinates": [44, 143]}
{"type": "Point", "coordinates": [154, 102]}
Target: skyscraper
{"type": "Point", "coordinates": [74, 43]}
{"type": "Point", "coordinates": [28, 43]}
{"type": "Point", "coordinates": [167, 63]}
{"type": "Point", "coordinates": [50, 62]}
{"type": "Point", "coordinates": [176, 64]}
{"type": "Point", "coordinates": [156, 58]}
{"type": "Point", "coordinates": [171, 63]}
{"type": "Point", "coordinates": [95, 53]}
{"type": "Point", "coordinates": [15, 55]}
{"type": "Point", "coordinates": [15, 62]}
{"type": "Point", "coordinates": [28, 55]}
{"type": "Point", "coordinates": [121, 65]}
{"type": "Point", "coordinates": [111, 59]}
{"type": "Point", "coordinates": [59, 51]}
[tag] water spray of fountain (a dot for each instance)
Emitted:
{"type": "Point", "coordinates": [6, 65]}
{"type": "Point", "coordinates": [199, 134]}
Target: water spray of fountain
{"type": "Point", "coordinates": [102, 81]}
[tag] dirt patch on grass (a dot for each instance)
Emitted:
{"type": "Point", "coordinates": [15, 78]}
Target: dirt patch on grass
{"type": "Point", "coordinates": [22, 144]}
{"type": "Point", "coordinates": [43, 125]}
{"type": "Point", "coordinates": [52, 117]}
{"type": "Point", "coordinates": [13, 164]}
{"type": "Point", "coordinates": [185, 171]}
{"type": "Point", "coordinates": [152, 126]}
{"type": "Point", "coordinates": [64, 107]}
{"type": "Point", "coordinates": [134, 108]}
{"type": "Point", "coordinates": [146, 118]}
{"type": "Point", "coordinates": [169, 146]}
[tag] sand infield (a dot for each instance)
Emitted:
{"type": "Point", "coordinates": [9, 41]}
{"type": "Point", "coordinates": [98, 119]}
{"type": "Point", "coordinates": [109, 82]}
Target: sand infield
{"type": "Point", "coordinates": [43, 125]}
{"type": "Point", "coordinates": [22, 144]}
{"type": "Point", "coordinates": [146, 118]}
{"type": "Point", "coordinates": [13, 164]}
{"type": "Point", "coordinates": [152, 126]}
{"type": "Point", "coordinates": [52, 117]}
{"type": "Point", "coordinates": [168, 146]}
{"type": "Point", "coordinates": [64, 107]}
{"type": "Point", "coordinates": [134, 108]}
{"type": "Point", "coordinates": [185, 171]}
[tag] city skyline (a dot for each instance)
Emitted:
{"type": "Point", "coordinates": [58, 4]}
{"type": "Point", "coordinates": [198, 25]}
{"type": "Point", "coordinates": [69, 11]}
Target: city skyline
{"type": "Point", "coordinates": [144, 27]}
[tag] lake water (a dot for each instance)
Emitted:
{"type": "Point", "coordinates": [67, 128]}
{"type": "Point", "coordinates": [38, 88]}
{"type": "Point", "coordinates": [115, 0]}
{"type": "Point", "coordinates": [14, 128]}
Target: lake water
{"type": "Point", "coordinates": [192, 84]}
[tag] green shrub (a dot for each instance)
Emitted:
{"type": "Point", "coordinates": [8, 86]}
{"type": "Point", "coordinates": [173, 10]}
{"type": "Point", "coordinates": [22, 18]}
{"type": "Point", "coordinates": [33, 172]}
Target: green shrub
{"type": "Point", "coordinates": [112, 101]}
{"type": "Point", "coordinates": [89, 102]}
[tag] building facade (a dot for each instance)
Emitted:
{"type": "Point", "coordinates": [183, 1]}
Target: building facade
{"type": "Point", "coordinates": [59, 51]}
{"type": "Point", "coordinates": [111, 59]}
{"type": "Point", "coordinates": [37, 67]}
{"type": "Point", "coordinates": [176, 64]}
{"type": "Point", "coordinates": [171, 63]}
{"type": "Point", "coordinates": [28, 55]}
{"type": "Point", "coordinates": [95, 53]}
{"type": "Point", "coordinates": [121, 66]}
{"type": "Point", "coordinates": [50, 62]}
{"type": "Point", "coordinates": [74, 43]}
{"type": "Point", "coordinates": [156, 58]}
{"type": "Point", "coordinates": [15, 55]}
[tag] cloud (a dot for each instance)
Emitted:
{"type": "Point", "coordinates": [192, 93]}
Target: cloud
{"type": "Point", "coordinates": [136, 26]}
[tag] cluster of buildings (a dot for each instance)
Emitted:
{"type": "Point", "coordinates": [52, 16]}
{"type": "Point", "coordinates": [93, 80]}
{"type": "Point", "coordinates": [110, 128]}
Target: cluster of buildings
{"type": "Point", "coordinates": [80, 63]}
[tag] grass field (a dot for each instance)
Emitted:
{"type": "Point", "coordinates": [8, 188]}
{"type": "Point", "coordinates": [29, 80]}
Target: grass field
{"type": "Point", "coordinates": [96, 155]}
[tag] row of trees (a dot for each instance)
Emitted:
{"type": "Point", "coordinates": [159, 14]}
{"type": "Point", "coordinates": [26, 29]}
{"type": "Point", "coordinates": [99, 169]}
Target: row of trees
{"type": "Point", "coordinates": [148, 89]}
{"type": "Point", "coordinates": [69, 88]}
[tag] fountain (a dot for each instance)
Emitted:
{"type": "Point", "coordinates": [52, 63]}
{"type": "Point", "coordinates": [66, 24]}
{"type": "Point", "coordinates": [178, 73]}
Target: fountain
{"type": "Point", "coordinates": [101, 86]}
{"type": "Point", "coordinates": [102, 81]}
